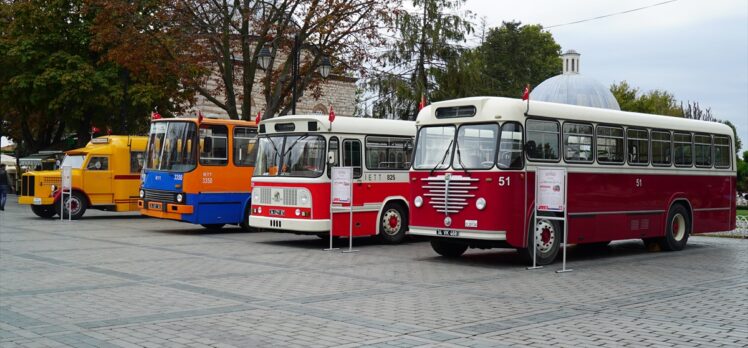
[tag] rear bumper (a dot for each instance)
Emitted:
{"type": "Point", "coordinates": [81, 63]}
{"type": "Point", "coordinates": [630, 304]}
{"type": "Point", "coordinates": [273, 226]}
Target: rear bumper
{"type": "Point", "coordinates": [463, 234]}
{"type": "Point", "coordinates": [286, 224]}
{"type": "Point", "coordinates": [36, 200]}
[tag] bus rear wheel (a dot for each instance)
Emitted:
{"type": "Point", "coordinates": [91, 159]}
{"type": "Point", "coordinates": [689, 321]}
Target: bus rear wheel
{"type": "Point", "coordinates": [546, 242]}
{"type": "Point", "coordinates": [393, 224]}
{"type": "Point", "coordinates": [213, 227]}
{"type": "Point", "coordinates": [677, 230]}
{"type": "Point", "coordinates": [75, 204]}
{"type": "Point", "coordinates": [448, 249]}
{"type": "Point", "coordinates": [44, 211]}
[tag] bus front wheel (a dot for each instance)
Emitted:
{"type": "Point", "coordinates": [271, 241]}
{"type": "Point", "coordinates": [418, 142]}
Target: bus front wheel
{"type": "Point", "coordinates": [448, 249]}
{"type": "Point", "coordinates": [44, 211]}
{"type": "Point", "coordinates": [546, 242]}
{"type": "Point", "coordinates": [74, 205]}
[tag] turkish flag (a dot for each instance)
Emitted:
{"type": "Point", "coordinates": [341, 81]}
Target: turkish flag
{"type": "Point", "coordinates": [155, 115]}
{"type": "Point", "coordinates": [526, 92]}
{"type": "Point", "coordinates": [258, 119]}
{"type": "Point", "coordinates": [422, 104]}
{"type": "Point", "coordinates": [94, 129]}
{"type": "Point", "coordinates": [332, 114]}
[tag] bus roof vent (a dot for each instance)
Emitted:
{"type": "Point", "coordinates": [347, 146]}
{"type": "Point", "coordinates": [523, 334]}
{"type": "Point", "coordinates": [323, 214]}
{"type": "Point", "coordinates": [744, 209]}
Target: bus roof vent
{"type": "Point", "coordinates": [285, 127]}
{"type": "Point", "coordinates": [456, 111]}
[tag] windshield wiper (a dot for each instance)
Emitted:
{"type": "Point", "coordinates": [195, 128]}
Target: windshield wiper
{"type": "Point", "coordinates": [446, 152]}
{"type": "Point", "coordinates": [286, 151]}
{"type": "Point", "coordinates": [274, 147]}
{"type": "Point", "coordinates": [459, 158]}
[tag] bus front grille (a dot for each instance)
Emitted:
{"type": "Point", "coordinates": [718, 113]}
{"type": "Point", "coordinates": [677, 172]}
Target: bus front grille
{"type": "Point", "coordinates": [27, 185]}
{"type": "Point", "coordinates": [160, 196]}
{"type": "Point", "coordinates": [289, 196]}
{"type": "Point", "coordinates": [449, 193]}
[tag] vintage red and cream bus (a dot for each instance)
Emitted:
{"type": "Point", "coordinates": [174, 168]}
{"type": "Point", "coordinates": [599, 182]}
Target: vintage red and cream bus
{"type": "Point", "coordinates": [630, 175]}
{"type": "Point", "coordinates": [291, 181]}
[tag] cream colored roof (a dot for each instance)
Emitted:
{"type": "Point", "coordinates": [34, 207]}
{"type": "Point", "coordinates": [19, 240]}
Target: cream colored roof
{"type": "Point", "coordinates": [345, 124]}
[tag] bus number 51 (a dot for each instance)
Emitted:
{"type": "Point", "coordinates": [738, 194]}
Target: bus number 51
{"type": "Point", "coordinates": [504, 181]}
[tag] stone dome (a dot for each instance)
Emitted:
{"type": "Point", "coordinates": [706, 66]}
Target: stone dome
{"type": "Point", "coordinates": [573, 88]}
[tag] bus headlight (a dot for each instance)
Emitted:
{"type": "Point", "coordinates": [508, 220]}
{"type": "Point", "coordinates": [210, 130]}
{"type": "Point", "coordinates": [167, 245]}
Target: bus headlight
{"type": "Point", "coordinates": [180, 198]}
{"type": "Point", "coordinates": [480, 203]}
{"type": "Point", "coordinates": [256, 195]}
{"type": "Point", "coordinates": [304, 197]}
{"type": "Point", "coordinates": [142, 194]}
{"type": "Point", "coordinates": [418, 201]}
{"type": "Point", "coordinates": [54, 188]}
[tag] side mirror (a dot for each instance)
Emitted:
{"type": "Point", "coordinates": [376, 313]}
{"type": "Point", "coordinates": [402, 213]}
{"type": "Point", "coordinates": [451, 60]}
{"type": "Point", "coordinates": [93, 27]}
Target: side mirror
{"type": "Point", "coordinates": [331, 157]}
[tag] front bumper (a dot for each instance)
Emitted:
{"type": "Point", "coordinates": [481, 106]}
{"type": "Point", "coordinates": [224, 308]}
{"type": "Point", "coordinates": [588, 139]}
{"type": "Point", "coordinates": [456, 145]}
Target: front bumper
{"type": "Point", "coordinates": [164, 210]}
{"type": "Point", "coordinates": [462, 234]}
{"type": "Point", "coordinates": [286, 224]}
{"type": "Point", "coordinates": [36, 200]}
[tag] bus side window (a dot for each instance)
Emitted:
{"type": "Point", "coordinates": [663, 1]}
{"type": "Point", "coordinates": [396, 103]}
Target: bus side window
{"type": "Point", "coordinates": [136, 161]}
{"type": "Point", "coordinates": [334, 147]}
{"type": "Point", "coordinates": [510, 146]}
{"type": "Point", "coordinates": [244, 146]}
{"type": "Point", "coordinates": [352, 156]}
{"type": "Point", "coordinates": [98, 163]}
{"type": "Point", "coordinates": [214, 145]}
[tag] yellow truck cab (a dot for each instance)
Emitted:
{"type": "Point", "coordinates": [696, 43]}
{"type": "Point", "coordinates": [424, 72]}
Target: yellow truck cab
{"type": "Point", "coordinates": [105, 176]}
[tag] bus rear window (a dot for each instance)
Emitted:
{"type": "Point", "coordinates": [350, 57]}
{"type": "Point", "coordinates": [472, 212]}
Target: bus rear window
{"type": "Point", "coordinates": [721, 152]}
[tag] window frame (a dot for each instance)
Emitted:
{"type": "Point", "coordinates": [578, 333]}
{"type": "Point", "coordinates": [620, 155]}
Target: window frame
{"type": "Point", "coordinates": [593, 142]}
{"type": "Point", "coordinates": [133, 155]}
{"type": "Point", "coordinates": [649, 147]}
{"type": "Point", "coordinates": [451, 148]}
{"type": "Point", "coordinates": [366, 148]}
{"type": "Point", "coordinates": [90, 158]}
{"type": "Point", "coordinates": [233, 145]}
{"type": "Point", "coordinates": [229, 146]}
{"type": "Point", "coordinates": [729, 151]}
{"type": "Point", "coordinates": [690, 165]}
{"type": "Point", "coordinates": [711, 150]}
{"type": "Point", "coordinates": [457, 137]}
{"type": "Point", "coordinates": [361, 153]}
{"type": "Point", "coordinates": [337, 155]}
{"type": "Point", "coordinates": [597, 143]}
{"type": "Point", "coordinates": [522, 145]}
{"type": "Point", "coordinates": [525, 140]}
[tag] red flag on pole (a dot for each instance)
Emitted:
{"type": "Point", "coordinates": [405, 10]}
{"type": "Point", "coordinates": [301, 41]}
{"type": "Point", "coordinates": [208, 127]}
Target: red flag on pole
{"type": "Point", "coordinates": [526, 92]}
{"type": "Point", "coordinates": [422, 104]}
{"type": "Point", "coordinates": [331, 117]}
{"type": "Point", "coordinates": [199, 117]}
{"type": "Point", "coordinates": [155, 115]}
{"type": "Point", "coordinates": [95, 130]}
{"type": "Point", "coordinates": [258, 119]}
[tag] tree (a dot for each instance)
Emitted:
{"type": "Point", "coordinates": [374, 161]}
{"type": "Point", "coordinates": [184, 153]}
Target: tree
{"type": "Point", "coordinates": [656, 101]}
{"type": "Point", "coordinates": [425, 41]}
{"type": "Point", "coordinates": [742, 169]}
{"type": "Point", "coordinates": [515, 55]}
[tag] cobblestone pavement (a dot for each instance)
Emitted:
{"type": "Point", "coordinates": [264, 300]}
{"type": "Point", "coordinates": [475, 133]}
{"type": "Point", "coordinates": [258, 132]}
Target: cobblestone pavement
{"type": "Point", "coordinates": [122, 280]}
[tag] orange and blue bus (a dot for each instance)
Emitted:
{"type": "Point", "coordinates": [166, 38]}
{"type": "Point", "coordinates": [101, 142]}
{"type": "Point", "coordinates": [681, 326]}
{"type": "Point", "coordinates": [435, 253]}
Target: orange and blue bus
{"type": "Point", "coordinates": [199, 171]}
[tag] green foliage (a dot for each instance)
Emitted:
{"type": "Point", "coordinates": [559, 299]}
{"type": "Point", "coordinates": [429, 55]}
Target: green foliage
{"type": "Point", "coordinates": [742, 168]}
{"type": "Point", "coordinates": [657, 101]}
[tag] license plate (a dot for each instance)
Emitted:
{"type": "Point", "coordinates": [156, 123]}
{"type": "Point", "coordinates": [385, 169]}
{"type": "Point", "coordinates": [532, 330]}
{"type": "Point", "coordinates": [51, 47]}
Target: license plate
{"type": "Point", "coordinates": [450, 233]}
{"type": "Point", "coordinates": [37, 201]}
{"type": "Point", "coordinates": [155, 205]}
{"type": "Point", "coordinates": [277, 212]}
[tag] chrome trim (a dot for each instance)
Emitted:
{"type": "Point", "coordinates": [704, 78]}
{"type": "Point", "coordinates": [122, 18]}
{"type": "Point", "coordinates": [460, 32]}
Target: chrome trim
{"type": "Point", "coordinates": [630, 212]}
{"type": "Point", "coordinates": [713, 209]}
{"type": "Point", "coordinates": [449, 193]}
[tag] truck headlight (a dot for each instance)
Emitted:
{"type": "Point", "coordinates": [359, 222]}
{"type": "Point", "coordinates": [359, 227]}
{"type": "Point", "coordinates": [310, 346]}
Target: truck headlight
{"type": "Point", "coordinates": [142, 194]}
{"type": "Point", "coordinates": [480, 203]}
{"type": "Point", "coordinates": [418, 201]}
{"type": "Point", "coordinates": [180, 198]}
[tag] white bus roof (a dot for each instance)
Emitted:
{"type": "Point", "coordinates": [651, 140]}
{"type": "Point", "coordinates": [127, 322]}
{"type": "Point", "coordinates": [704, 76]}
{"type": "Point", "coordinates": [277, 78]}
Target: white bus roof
{"type": "Point", "coordinates": [342, 124]}
{"type": "Point", "coordinates": [497, 109]}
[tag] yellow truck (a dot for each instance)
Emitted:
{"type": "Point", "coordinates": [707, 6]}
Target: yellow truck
{"type": "Point", "coordinates": [105, 176]}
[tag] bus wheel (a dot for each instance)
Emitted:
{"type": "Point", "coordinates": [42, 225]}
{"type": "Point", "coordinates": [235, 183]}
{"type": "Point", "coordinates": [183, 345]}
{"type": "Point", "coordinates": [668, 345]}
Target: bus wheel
{"type": "Point", "coordinates": [546, 242]}
{"type": "Point", "coordinates": [44, 211]}
{"type": "Point", "coordinates": [393, 224]}
{"type": "Point", "coordinates": [677, 230]}
{"type": "Point", "coordinates": [213, 227]}
{"type": "Point", "coordinates": [448, 249]}
{"type": "Point", "coordinates": [245, 221]}
{"type": "Point", "coordinates": [75, 205]}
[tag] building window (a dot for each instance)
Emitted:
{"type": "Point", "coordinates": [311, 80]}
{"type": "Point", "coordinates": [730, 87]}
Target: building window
{"type": "Point", "coordinates": [319, 109]}
{"type": "Point", "coordinates": [577, 142]}
{"type": "Point", "coordinates": [542, 140]}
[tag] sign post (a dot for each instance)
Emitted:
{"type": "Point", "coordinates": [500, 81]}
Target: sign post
{"type": "Point", "coordinates": [341, 189]}
{"type": "Point", "coordinates": [550, 197]}
{"type": "Point", "coordinates": [66, 185]}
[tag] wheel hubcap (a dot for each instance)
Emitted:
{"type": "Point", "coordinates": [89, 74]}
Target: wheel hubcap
{"type": "Point", "coordinates": [678, 227]}
{"type": "Point", "coordinates": [545, 236]}
{"type": "Point", "coordinates": [391, 222]}
{"type": "Point", "coordinates": [73, 205]}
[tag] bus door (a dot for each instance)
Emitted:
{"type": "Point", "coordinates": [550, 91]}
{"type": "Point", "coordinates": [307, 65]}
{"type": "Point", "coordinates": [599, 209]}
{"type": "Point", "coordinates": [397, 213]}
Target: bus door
{"type": "Point", "coordinates": [97, 180]}
{"type": "Point", "coordinates": [352, 157]}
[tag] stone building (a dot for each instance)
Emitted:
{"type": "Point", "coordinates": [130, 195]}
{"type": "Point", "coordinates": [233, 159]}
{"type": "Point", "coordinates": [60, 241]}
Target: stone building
{"type": "Point", "coordinates": [338, 91]}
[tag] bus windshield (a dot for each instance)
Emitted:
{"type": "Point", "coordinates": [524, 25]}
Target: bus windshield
{"type": "Point", "coordinates": [300, 156]}
{"type": "Point", "coordinates": [171, 146]}
{"type": "Point", "coordinates": [74, 161]}
{"type": "Point", "coordinates": [434, 146]}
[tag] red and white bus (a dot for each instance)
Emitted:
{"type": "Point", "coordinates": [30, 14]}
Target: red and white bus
{"type": "Point", "coordinates": [291, 182]}
{"type": "Point", "coordinates": [630, 175]}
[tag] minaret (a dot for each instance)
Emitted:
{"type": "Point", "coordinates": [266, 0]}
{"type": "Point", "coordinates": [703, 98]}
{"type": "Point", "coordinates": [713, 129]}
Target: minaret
{"type": "Point", "coordinates": [570, 62]}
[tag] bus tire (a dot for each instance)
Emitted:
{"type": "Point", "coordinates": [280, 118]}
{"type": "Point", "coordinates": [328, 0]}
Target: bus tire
{"type": "Point", "coordinates": [448, 249]}
{"type": "Point", "coordinates": [245, 221]}
{"type": "Point", "coordinates": [44, 211]}
{"type": "Point", "coordinates": [677, 230]}
{"type": "Point", "coordinates": [547, 242]}
{"type": "Point", "coordinates": [393, 223]}
{"type": "Point", "coordinates": [78, 205]}
{"type": "Point", "coordinates": [213, 227]}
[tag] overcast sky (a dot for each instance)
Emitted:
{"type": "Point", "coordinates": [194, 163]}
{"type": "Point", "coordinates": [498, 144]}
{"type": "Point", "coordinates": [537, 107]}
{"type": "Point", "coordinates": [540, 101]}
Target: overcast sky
{"type": "Point", "coordinates": [695, 49]}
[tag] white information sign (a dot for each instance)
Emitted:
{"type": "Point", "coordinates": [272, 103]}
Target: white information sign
{"type": "Point", "coordinates": [342, 179]}
{"type": "Point", "coordinates": [67, 178]}
{"type": "Point", "coordinates": [551, 183]}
